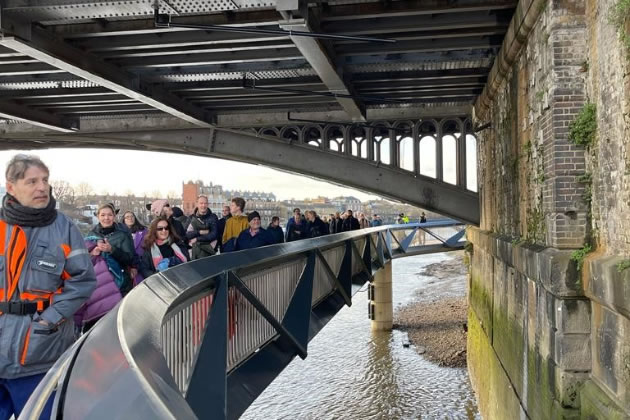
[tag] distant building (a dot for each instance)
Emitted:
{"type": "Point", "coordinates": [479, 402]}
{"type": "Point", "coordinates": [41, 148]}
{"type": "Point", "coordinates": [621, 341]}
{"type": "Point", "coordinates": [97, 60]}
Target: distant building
{"type": "Point", "coordinates": [192, 190]}
{"type": "Point", "coordinates": [347, 203]}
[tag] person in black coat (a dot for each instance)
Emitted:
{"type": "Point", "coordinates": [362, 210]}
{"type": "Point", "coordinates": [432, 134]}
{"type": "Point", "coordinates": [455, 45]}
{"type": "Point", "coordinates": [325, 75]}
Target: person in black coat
{"type": "Point", "coordinates": [202, 230]}
{"type": "Point", "coordinates": [332, 224]}
{"type": "Point", "coordinates": [163, 208]}
{"type": "Point", "coordinates": [338, 223]}
{"type": "Point", "coordinates": [275, 230]}
{"type": "Point", "coordinates": [315, 226]}
{"type": "Point", "coordinates": [350, 222]}
{"type": "Point", "coordinates": [296, 227]}
{"type": "Point", "coordinates": [162, 248]}
{"type": "Point", "coordinates": [225, 213]}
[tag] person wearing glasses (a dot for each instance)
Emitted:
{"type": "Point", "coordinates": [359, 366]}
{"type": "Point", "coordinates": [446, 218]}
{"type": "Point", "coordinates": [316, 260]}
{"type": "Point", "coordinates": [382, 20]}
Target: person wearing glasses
{"type": "Point", "coordinates": [138, 232]}
{"type": "Point", "coordinates": [163, 208]}
{"type": "Point", "coordinates": [163, 248]}
{"type": "Point", "coordinates": [113, 256]}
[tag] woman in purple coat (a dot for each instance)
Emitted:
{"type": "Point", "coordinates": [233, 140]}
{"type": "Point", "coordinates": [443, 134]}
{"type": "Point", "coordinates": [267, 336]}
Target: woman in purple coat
{"type": "Point", "coordinates": [138, 232]}
{"type": "Point", "coordinates": [111, 251]}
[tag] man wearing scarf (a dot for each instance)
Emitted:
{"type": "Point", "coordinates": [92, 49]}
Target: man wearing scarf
{"type": "Point", "coordinates": [46, 276]}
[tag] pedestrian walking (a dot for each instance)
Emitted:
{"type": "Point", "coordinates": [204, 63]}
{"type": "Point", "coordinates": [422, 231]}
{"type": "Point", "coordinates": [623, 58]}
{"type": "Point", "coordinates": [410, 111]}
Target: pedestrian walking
{"type": "Point", "coordinates": [162, 248]}
{"type": "Point", "coordinates": [47, 277]}
{"type": "Point", "coordinates": [235, 224]}
{"type": "Point", "coordinates": [275, 230]}
{"type": "Point", "coordinates": [202, 230]}
{"type": "Point", "coordinates": [255, 236]}
{"type": "Point", "coordinates": [138, 231]}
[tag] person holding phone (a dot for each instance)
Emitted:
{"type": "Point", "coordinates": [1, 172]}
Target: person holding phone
{"type": "Point", "coordinates": [112, 252]}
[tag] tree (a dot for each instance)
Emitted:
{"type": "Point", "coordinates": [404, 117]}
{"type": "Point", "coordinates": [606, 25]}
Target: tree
{"type": "Point", "coordinates": [84, 189]}
{"type": "Point", "coordinates": [171, 195]}
{"type": "Point", "coordinates": [63, 192]}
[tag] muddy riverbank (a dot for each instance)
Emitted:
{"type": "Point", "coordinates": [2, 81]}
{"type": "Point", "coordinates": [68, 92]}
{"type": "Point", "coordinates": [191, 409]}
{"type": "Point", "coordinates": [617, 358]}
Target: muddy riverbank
{"type": "Point", "coordinates": [436, 320]}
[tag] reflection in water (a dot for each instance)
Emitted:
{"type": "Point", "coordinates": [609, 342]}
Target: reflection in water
{"type": "Point", "coordinates": [352, 373]}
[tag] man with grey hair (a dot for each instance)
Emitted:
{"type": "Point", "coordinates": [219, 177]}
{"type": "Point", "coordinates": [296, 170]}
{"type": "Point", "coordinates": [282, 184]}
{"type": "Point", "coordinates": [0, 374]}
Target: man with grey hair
{"type": "Point", "coordinates": [47, 276]}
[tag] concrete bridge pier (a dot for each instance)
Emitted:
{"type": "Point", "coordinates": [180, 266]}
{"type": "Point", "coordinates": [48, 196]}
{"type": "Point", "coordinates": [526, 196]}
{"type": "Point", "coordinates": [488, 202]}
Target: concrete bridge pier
{"type": "Point", "coordinates": [381, 299]}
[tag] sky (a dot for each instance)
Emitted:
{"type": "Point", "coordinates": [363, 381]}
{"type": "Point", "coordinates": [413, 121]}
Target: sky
{"type": "Point", "coordinates": [118, 171]}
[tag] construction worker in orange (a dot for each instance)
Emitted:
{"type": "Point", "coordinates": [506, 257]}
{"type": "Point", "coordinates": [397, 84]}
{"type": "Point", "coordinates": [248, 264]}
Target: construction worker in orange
{"type": "Point", "coordinates": [46, 275]}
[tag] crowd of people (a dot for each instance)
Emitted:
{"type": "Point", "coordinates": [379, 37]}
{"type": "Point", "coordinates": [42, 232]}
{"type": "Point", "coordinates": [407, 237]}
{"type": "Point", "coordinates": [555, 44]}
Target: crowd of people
{"type": "Point", "coordinates": [58, 284]}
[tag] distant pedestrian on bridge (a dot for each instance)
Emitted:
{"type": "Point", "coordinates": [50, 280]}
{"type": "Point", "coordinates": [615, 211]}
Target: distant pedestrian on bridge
{"type": "Point", "coordinates": [235, 224]}
{"type": "Point", "coordinates": [338, 222]}
{"type": "Point", "coordinates": [202, 230]}
{"type": "Point", "coordinates": [138, 231]}
{"type": "Point", "coordinates": [363, 221]}
{"type": "Point", "coordinates": [162, 248]}
{"type": "Point", "coordinates": [296, 227]}
{"type": "Point", "coordinates": [255, 236]}
{"type": "Point", "coordinates": [315, 226]}
{"type": "Point", "coordinates": [50, 278]}
{"type": "Point", "coordinates": [275, 230]}
{"type": "Point", "coordinates": [377, 221]}
{"type": "Point", "coordinates": [350, 222]}
{"type": "Point", "coordinates": [423, 218]}
{"type": "Point", "coordinates": [225, 215]}
{"type": "Point", "coordinates": [332, 224]}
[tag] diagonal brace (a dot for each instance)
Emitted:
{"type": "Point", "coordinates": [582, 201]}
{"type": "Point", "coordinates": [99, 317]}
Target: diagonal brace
{"type": "Point", "coordinates": [258, 305]}
{"type": "Point", "coordinates": [347, 299]}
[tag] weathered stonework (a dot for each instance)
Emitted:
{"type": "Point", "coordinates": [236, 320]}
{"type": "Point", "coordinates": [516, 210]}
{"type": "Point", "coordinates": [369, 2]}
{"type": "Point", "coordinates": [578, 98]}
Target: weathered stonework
{"type": "Point", "coordinates": [557, 335]}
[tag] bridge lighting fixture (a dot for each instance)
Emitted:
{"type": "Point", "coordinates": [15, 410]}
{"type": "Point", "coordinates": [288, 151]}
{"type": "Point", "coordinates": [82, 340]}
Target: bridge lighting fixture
{"type": "Point", "coordinates": [163, 20]}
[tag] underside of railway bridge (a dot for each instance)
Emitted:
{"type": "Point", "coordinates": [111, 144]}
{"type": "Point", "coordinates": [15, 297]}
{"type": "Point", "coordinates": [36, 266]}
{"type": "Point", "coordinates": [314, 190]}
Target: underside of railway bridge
{"type": "Point", "coordinates": [509, 115]}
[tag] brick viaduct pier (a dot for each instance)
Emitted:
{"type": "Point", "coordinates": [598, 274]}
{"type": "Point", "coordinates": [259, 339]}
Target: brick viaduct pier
{"type": "Point", "coordinates": [549, 318]}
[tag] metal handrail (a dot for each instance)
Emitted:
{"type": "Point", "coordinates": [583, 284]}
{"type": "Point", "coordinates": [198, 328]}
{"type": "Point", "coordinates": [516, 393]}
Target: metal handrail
{"type": "Point", "coordinates": [156, 346]}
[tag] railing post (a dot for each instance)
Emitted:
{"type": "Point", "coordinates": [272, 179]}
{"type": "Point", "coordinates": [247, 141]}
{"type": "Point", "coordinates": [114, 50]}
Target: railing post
{"type": "Point", "coordinates": [298, 315]}
{"type": "Point", "coordinates": [382, 307]}
{"type": "Point", "coordinates": [207, 389]}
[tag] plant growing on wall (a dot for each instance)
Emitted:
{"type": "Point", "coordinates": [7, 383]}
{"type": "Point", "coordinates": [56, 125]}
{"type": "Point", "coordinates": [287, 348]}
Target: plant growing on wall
{"type": "Point", "coordinates": [582, 130]}
{"type": "Point", "coordinates": [618, 17]}
{"type": "Point", "coordinates": [579, 255]}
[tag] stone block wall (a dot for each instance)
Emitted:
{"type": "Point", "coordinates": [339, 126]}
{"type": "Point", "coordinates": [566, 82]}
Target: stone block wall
{"type": "Point", "coordinates": [557, 335]}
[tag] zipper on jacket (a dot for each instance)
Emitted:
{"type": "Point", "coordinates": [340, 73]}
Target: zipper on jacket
{"type": "Point", "coordinates": [25, 346]}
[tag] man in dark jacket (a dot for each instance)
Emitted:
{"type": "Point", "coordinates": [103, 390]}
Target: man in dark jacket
{"type": "Point", "coordinates": [47, 275]}
{"type": "Point", "coordinates": [255, 236]}
{"type": "Point", "coordinates": [332, 224]}
{"type": "Point", "coordinates": [350, 222]}
{"type": "Point", "coordinates": [202, 231]}
{"type": "Point", "coordinates": [296, 227]}
{"type": "Point", "coordinates": [275, 230]}
{"type": "Point", "coordinates": [338, 223]}
{"type": "Point", "coordinates": [315, 226]}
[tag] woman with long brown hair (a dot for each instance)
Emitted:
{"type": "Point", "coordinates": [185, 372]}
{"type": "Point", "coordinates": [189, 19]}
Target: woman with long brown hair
{"type": "Point", "coordinates": [163, 248]}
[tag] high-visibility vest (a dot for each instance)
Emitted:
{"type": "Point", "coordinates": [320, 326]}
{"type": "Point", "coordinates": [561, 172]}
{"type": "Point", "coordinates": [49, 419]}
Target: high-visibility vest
{"type": "Point", "coordinates": [15, 253]}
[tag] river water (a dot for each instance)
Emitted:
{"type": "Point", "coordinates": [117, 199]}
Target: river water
{"type": "Point", "coordinates": [353, 373]}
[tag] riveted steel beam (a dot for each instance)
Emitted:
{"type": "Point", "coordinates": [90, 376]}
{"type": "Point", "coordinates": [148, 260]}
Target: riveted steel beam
{"type": "Point", "coordinates": [57, 53]}
{"type": "Point", "coordinates": [15, 111]}
{"type": "Point", "coordinates": [314, 52]}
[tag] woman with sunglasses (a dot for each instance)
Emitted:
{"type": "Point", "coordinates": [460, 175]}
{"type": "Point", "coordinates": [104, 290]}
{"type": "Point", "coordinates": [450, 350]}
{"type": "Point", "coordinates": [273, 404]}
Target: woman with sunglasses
{"type": "Point", "coordinates": [138, 232]}
{"type": "Point", "coordinates": [162, 248]}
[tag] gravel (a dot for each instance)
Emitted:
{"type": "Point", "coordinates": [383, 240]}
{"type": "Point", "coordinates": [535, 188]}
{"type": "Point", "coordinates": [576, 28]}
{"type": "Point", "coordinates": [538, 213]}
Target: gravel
{"type": "Point", "coordinates": [437, 322]}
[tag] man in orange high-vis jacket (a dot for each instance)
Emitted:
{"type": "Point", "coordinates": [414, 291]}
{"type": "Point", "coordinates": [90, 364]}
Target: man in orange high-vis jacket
{"type": "Point", "coordinates": [45, 276]}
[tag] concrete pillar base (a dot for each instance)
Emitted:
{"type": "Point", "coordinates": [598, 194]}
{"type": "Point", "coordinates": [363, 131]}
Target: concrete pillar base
{"type": "Point", "coordinates": [382, 299]}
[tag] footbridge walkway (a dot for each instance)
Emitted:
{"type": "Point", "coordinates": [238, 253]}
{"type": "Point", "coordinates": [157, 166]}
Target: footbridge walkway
{"type": "Point", "coordinates": [204, 339]}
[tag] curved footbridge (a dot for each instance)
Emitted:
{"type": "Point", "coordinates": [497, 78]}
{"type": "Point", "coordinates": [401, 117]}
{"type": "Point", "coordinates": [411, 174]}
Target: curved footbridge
{"type": "Point", "coordinates": [204, 339]}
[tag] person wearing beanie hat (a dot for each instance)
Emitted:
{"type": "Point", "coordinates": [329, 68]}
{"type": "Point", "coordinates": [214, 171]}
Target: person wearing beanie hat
{"type": "Point", "coordinates": [255, 236]}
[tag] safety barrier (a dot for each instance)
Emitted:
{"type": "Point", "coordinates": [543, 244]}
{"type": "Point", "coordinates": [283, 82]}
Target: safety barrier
{"type": "Point", "coordinates": [204, 339]}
